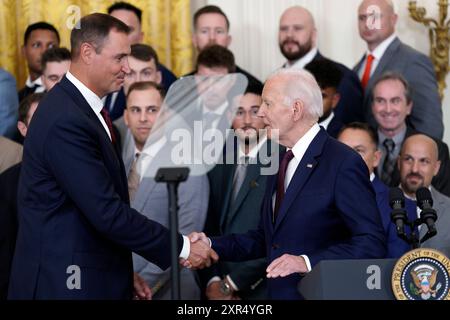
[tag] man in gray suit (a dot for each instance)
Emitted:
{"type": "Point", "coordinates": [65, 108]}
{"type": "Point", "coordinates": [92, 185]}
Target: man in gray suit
{"type": "Point", "coordinates": [418, 164]}
{"type": "Point", "coordinates": [144, 101]}
{"type": "Point", "coordinates": [376, 22]}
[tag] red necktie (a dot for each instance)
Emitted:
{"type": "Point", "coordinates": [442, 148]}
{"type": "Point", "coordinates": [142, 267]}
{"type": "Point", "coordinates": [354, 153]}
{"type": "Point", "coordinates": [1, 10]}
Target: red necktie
{"type": "Point", "coordinates": [105, 115]}
{"type": "Point", "coordinates": [366, 75]}
{"type": "Point", "coordinates": [280, 181]}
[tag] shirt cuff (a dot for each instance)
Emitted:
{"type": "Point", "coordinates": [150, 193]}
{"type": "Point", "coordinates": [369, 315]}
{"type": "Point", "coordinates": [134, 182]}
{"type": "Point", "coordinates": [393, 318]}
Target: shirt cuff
{"type": "Point", "coordinates": [184, 254]}
{"type": "Point", "coordinates": [233, 285]}
{"type": "Point", "coordinates": [213, 279]}
{"type": "Point", "coordinates": [308, 263]}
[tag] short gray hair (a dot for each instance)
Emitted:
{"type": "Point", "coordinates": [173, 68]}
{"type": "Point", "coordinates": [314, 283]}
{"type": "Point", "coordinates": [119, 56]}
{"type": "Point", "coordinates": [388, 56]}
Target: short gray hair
{"type": "Point", "coordinates": [303, 86]}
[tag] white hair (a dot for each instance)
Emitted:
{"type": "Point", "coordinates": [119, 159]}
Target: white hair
{"type": "Point", "coordinates": [303, 86]}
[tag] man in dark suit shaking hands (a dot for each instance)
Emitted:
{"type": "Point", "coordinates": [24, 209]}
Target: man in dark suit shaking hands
{"type": "Point", "coordinates": [76, 228]}
{"type": "Point", "coordinates": [320, 205]}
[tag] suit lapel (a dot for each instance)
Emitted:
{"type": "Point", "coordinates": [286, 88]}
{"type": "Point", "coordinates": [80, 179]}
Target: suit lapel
{"type": "Point", "coordinates": [304, 170]}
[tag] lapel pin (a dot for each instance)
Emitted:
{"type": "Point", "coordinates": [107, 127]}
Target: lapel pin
{"type": "Point", "coordinates": [309, 165]}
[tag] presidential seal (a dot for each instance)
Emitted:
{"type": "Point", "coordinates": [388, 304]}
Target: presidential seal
{"type": "Point", "coordinates": [422, 274]}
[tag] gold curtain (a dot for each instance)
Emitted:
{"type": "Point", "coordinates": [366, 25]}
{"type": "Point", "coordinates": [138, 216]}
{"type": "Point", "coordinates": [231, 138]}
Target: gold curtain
{"type": "Point", "coordinates": [166, 25]}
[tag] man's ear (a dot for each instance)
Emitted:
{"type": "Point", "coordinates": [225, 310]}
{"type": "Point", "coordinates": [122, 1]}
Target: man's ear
{"type": "Point", "coordinates": [87, 53]}
{"type": "Point", "coordinates": [229, 39]}
{"type": "Point", "coordinates": [158, 79]}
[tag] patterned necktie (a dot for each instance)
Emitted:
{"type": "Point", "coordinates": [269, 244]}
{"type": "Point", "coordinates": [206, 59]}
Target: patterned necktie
{"type": "Point", "coordinates": [366, 75]}
{"type": "Point", "coordinates": [134, 178]}
{"type": "Point", "coordinates": [280, 181]}
{"type": "Point", "coordinates": [105, 115]}
{"type": "Point", "coordinates": [239, 176]}
{"type": "Point", "coordinates": [389, 162]}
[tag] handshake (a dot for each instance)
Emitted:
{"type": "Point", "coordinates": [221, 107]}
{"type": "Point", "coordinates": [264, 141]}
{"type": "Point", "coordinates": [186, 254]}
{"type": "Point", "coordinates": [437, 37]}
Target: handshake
{"type": "Point", "coordinates": [200, 255]}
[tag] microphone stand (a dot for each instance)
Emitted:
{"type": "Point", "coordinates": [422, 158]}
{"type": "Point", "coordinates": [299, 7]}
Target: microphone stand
{"type": "Point", "coordinates": [173, 177]}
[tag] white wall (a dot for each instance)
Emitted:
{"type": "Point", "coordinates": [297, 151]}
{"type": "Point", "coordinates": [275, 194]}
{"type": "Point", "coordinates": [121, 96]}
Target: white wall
{"type": "Point", "coordinates": [254, 28]}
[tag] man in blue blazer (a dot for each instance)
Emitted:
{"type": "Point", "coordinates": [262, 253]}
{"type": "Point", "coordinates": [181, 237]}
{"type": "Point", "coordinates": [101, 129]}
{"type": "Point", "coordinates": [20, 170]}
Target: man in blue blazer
{"type": "Point", "coordinates": [76, 228]}
{"type": "Point", "coordinates": [320, 205]}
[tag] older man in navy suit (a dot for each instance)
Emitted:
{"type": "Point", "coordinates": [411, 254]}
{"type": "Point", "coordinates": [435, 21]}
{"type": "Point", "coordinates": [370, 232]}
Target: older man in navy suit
{"type": "Point", "coordinates": [320, 205]}
{"type": "Point", "coordinates": [76, 228]}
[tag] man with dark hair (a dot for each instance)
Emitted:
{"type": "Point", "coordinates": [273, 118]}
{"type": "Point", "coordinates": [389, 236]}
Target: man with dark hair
{"type": "Point", "coordinates": [9, 182]}
{"type": "Point", "coordinates": [391, 108]}
{"type": "Point", "coordinates": [132, 17]}
{"type": "Point", "coordinates": [211, 27]}
{"type": "Point", "coordinates": [77, 229]}
{"type": "Point", "coordinates": [38, 38]}
{"type": "Point", "coordinates": [363, 139]}
{"type": "Point", "coordinates": [328, 77]}
{"type": "Point", "coordinates": [297, 38]}
{"type": "Point", "coordinates": [55, 64]}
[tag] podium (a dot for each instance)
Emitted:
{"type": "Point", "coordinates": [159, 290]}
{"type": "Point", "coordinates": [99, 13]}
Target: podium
{"type": "Point", "coordinates": [349, 280]}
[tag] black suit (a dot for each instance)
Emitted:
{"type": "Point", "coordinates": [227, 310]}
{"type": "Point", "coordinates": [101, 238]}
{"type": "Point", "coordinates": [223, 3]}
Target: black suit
{"type": "Point", "coordinates": [9, 182]}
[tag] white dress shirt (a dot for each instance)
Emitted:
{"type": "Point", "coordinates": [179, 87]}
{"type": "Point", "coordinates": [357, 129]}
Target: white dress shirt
{"type": "Point", "coordinates": [37, 81]}
{"type": "Point", "coordinates": [96, 104]}
{"type": "Point", "coordinates": [377, 53]}
{"type": "Point", "coordinates": [303, 61]}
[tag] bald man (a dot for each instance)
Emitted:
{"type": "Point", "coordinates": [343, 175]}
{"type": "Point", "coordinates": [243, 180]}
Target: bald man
{"type": "Point", "coordinates": [385, 52]}
{"type": "Point", "coordinates": [418, 164]}
{"type": "Point", "coordinates": [297, 38]}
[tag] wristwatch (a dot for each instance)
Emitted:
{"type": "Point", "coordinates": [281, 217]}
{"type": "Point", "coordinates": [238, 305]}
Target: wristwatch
{"type": "Point", "coordinates": [225, 288]}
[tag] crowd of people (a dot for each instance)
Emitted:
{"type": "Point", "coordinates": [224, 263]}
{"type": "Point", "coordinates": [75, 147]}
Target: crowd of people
{"type": "Point", "coordinates": [80, 218]}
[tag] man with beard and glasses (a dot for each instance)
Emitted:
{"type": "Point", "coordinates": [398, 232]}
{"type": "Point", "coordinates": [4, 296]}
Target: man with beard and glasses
{"type": "Point", "coordinates": [418, 164]}
{"type": "Point", "coordinates": [297, 38]}
{"type": "Point", "coordinates": [237, 191]}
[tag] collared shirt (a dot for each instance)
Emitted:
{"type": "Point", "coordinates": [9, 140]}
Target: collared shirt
{"type": "Point", "coordinates": [415, 200]}
{"type": "Point", "coordinates": [325, 123]}
{"type": "Point", "coordinates": [299, 150]}
{"type": "Point", "coordinates": [92, 99]}
{"type": "Point", "coordinates": [372, 177]}
{"type": "Point", "coordinates": [377, 53]}
{"type": "Point", "coordinates": [253, 153]}
{"type": "Point", "coordinates": [217, 111]}
{"type": "Point", "coordinates": [398, 140]}
{"type": "Point", "coordinates": [38, 82]}
{"type": "Point", "coordinates": [303, 61]}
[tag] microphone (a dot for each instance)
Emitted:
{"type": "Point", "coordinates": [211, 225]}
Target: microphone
{"type": "Point", "coordinates": [428, 214]}
{"type": "Point", "coordinates": [398, 215]}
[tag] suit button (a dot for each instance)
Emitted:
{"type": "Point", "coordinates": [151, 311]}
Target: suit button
{"type": "Point", "coordinates": [275, 246]}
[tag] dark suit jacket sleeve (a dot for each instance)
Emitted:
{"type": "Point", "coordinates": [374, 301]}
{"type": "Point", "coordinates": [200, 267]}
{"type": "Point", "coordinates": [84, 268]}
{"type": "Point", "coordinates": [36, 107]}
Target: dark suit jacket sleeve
{"type": "Point", "coordinates": [77, 164]}
{"type": "Point", "coordinates": [244, 275]}
{"type": "Point", "coordinates": [355, 201]}
{"type": "Point", "coordinates": [427, 111]}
